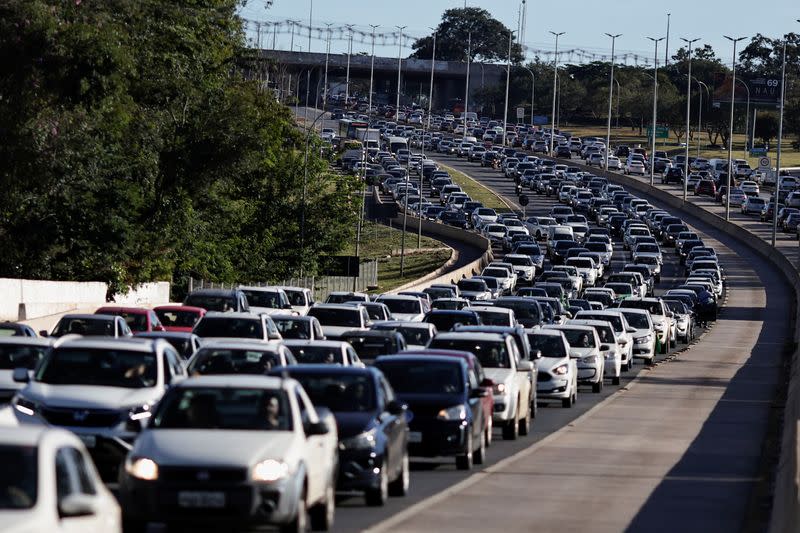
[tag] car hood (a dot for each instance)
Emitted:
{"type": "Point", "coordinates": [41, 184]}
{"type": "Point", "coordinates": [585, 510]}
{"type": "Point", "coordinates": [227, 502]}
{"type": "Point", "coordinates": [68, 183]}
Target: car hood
{"type": "Point", "coordinates": [22, 521]}
{"type": "Point", "coordinates": [546, 364]}
{"type": "Point", "coordinates": [334, 332]}
{"type": "Point", "coordinates": [168, 447]}
{"type": "Point", "coordinates": [583, 352]}
{"type": "Point", "coordinates": [267, 310]}
{"type": "Point", "coordinates": [350, 424]}
{"type": "Point", "coordinates": [499, 375]}
{"type": "Point", "coordinates": [89, 396]}
{"type": "Point", "coordinates": [408, 317]}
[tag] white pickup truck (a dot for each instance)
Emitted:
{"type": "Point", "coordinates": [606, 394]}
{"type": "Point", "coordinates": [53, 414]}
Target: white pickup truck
{"type": "Point", "coordinates": [268, 457]}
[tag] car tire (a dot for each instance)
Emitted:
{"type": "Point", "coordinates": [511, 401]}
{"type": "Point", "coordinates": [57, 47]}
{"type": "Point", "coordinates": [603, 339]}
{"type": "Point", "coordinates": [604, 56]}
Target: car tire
{"type": "Point", "coordinates": [525, 424]}
{"type": "Point", "coordinates": [479, 456]}
{"type": "Point", "coordinates": [489, 430]}
{"type": "Point", "coordinates": [299, 524]}
{"type": "Point", "coordinates": [615, 380]}
{"type": "Point", "coordinates": [665, 347]}
{"type": "Point", "coordinates": [511, 430]}
{"type": "Point", "coordinates": [399, 487]}
{"type": "Point", "coordinates": [321, 515]}
{"type": "Point", "coordinates": [465, 461]}
{"type": "Point", "coordinates": [597, 387]}
{"type": "Point", "coordinates": [376, 497]}
{"type": "Point", "coordinates": [568, 402]}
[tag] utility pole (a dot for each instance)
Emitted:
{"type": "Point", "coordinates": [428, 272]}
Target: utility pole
{"type": "Point", "coordinates": [610, 96]}
{"type": "Point", "coordinates": [689, 43]}
{"type": "Point", "coordinates": [466, 94]}
{"type": "Point", "coordinates": [666, 44]}
{"type": "Point", "coordinates": [730, 129]}
{"type": "Point", "coordinates": [430, 110]}
{"type": "Point", "coordinates": [310, 13]}
{"type": "Point", "coordinates": [508, 81]}
{"type": "Point", "coordinates": [555, 81]}
{"type": "Point", "coordinates": [655, 110]}
{"type": "Point", "coordinates": [347, 76]}
{"type": "Point", "coordinates": [778, 154]}
{"type": "Point", "coordinates": [327, 55]}
{"type": "Point", "coordinates": [397, 119]}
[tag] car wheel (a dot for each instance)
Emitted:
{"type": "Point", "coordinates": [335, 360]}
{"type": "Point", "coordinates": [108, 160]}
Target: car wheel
{"type": "Point", "coordinates": [511, 430]}
{"type": "Point", "coordinates": [376, 497]}
{"type": "Point", "coordinates": [480, 454]}
{"type": "Point", "coordinates": [568, 402]}
{"type": "Point", "coordinates": [464, 461]}
{"type": "Point", "coordinates": [399, 487]}
{"type": "Point", "coordinates": [597, 387]}
{"type": "Point", "coordinates": [665, 347]}
{"type": "Point", "coordinates": [489, 436]}
{"type": "Point", "coordinates": [615, 380]}
{"type": "Point", "coordinates": [525, 424]}
{"type": "Point", "coordinates": [299, 523]}
{"type": "Point", "coordinates": [651, 361]}
{"type": "Point", "coordinates": [322, 514]}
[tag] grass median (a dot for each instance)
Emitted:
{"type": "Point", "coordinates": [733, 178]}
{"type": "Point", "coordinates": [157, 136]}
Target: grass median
{"type": "Point", "coordinates": [476, 191]}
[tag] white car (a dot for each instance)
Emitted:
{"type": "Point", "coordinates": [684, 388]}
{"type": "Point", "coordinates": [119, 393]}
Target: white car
{"type": "Point", "coordinates": [644, 336]}
{"type": "Point", "coordinates": [622, 330]}
{"type": "Point", "coordinates": [494, 316]}
{"type": "Point", "coordinates": [483, 216]}
{"type": "Point", "coordinates": [537, 226]}
{"type": "Point", "coordinates": [635, 167]}
{"type": "Point", "coordinates": [269, 300]}
{"type": "Point", "coordinates": [524, 267]}
{"type": "Point", "coordinates": [659, 315]}
{"type": "Point", "coordinates": [584, 347]}
{"type": "Point", "coordinates": [416, 334]}
{"type": "Point", "coordinates": [750, 187]}
{"type": "Point", "coordinates": [496, 233]}
{"type": "Point", "coordinates": [408, 308]}
{"type": "Point", "coordinates": [337, 319]}
{"type": "Point", "coordinates": [513, 378]}
{"type": "Point", "coordinates": [557, 372]}
{"type": "Point", "coordinates": [239, 356]}
{"type": "Point", "coordinates": [20, 352]}
{"type": "Point", "coordinates": [614, 163]}
{"type": "Point", "coordinates": [100, 389]}
{"type": "Point", "coordinates": [323, 352]}
{"type": "Point", "coordinates": [301, 298]}
{"type": "Point", "coordinates": [262, 449]}
{"type": "Point", "coordinates": [50, 484]}
{"type": "Point", "coordinates": [474, 289]}
{"type": "Point", "coordinates": [612, 356]}
{"type": "Point", "coordinates": [586, 269]}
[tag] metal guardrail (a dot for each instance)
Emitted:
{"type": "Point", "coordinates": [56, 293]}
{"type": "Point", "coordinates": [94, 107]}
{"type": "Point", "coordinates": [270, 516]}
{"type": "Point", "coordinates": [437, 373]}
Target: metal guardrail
{"type": "Point", "coordinates": [321, 286]}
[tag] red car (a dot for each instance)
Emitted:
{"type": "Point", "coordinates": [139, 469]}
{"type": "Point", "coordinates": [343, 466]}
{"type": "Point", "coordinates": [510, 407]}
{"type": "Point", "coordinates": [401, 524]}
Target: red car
{"type": "Point", "coordinates": [139, 319]}
{"type": "Point", "coordinates": [474, 366]}
{"type": "Point", "coordinates": [705, 188]}
{"type": "Point", "coordinates": [179, 317]}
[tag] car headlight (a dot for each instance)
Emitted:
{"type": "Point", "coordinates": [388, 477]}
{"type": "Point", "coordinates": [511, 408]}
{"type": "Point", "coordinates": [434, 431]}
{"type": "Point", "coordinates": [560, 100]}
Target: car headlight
{"type": "Point", "coordinates": [499, 388]}
{"type": "Point", "coordinates": [360, 441]}
{"type": "Point", "coordinates": [25, 406]}
{"type": "Point", "coordinates": [270, 470]}
{"type": "Point", "coordinates": [457, 412]}
{"type": "Point", "coordinates": [561, 370]}
{"type": "Point", "coordinates": [142, 468]}
{"type": "Point", "coordinates": [658, 326]}
{"type": "Point", "coordinates": [589, 360]}
{"type": "Point", "coordinates": [140, 413]}
{"type": "Point", "coordinates": [643, 339]}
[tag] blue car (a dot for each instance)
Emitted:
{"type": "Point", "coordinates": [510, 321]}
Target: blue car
{"type": "Point", "coordinates": [446, 415]}
{"type": "Point", "coordinates": [373, 432]}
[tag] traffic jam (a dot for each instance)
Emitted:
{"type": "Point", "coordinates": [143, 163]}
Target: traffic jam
{"type": "Point", "coordinates": [258, 406]}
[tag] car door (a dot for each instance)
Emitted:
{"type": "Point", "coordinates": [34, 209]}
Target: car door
{"type": "Point", "coordinates": [475, 405]}
{"type": "Point", "coordinates": [73, 478]}
{"type": "Point", "coordinates": [315, 449]}
{"type": "Point", "coordinates": [393, 427]}
{"type": "Point", "coordinates": [525, 380]}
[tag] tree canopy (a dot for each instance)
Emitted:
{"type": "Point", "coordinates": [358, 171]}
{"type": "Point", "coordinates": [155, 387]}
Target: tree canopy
{"type": "Point", "coordinates": [487, 36]}
{"type": "Point", "coordinates": [135, 149]}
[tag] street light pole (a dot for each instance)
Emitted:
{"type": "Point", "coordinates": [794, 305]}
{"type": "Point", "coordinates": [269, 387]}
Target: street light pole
{"type": "Point", "coordinates": [700, 85]}
{"type": "Point", "coordinates": [327, 55]}
{"type": "Point", "coordinates": [730, 128]}
{"type": "Point", "coordinates": [746, 116]}
{"type": "Point", "coordinates": [533, 87]}
{"type": "Point", "coordinates": [689, 43]}
{"type": "Point", "coordinates": [430, 109]}
{"type": "Point", "coordinates": [430, 94]}
{"type": "Point", "coordinates": [555, 81]}
{"type": "Point", "coordinates": [310, 13]}
{"type": "Point", "coordinates": [610, 96]}
{"type": "Point", "coordinates": [397, 119]}
{"type": "Point", "coordinates": [778, 155]}
{"type": "Point", "coordinates": [666, 44]}
{"type": "Point", "coordinates": [508, 80]}
{"type": "Point", "coordinates": [655, 110]}
{"type": "Point", "coordinates": [466, 93]}
{"type": "Point", "coordinates": [619, 91]}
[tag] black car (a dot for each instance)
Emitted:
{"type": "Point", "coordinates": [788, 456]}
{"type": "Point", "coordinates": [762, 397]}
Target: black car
{"type": "Point", "coordinates": [564, 152]}
{"type": "Point", "coordinates": [673, 175]}
{"type": "Point", "coordinates": [218, 300]}
{"type": "Point", "coordinates": [369, 344]}
{"type": "Point", "coordinates": [184, 342]}
{"type": "Point", "coordinates": [445, 319]}
{"type": "Point", "coordinates": [14, 329]}
{"type": "Point", "coordinates": [446, 419]}
{"type": "Point", "coordinates": [373, 431]}
{"type": "Point", "coordinates": [453, 218]}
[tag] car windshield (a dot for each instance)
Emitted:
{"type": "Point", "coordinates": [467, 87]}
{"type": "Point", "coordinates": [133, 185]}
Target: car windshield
{"type": "Point", "coordinates": [519, 261]}
{"type": "Point", "coordinates": [336, 317]}
{"type": "Point", "coordinates": [579, 338]}
{"type": "Point", "coordinates": [495, 272]}
{"type": "Point", "coordinates": [522, 308]}
{"type": "Point", "coordinates": [312, 354]}
{"type": "Point", "coordinates": [291, 328]}
{"type": "Point", "coordinates": [296, 297]}
{"type": "Point", "coordinates": [647, 259]}
{"type": "Point", "coordinates": [18, 477]}
{"type": "Point", "coordinates": [85, 326]}
{"type": "Point", "coordinates": [177, 319]}
{"type": "Point", "coordinates": [437, 292]}
{"type": "Point", "coordinates": [271, 299]}
{"type": "Point", "coordinates": [491, 353]}
{"type": "Point", "coordinates": [407, 307]}
{"type": "Point", "coordinates": [549, 345]}
{"type": "Point", "coordinates": [18, 355]}
{"type": "Point", "coordinates": [614, 320]}
{"type": "Point", "coordinates": [490, 317]}
{"type": "Point", "coordinates": [211, 303]}
{"type": "Point", "coordinates": [99, 367]}
{"type": "Point", "coordinates": [472, 285]}
{"type": "Point", "coordinates": [245, 328]}
{"type": "Point", "coordinates": [620, 288]}
{"type": "Point", "coordinates": [135, 321]}
{"type": "Point", "coordinates": [339, 392]}
{"type": "Point", "coordinates": [637, 320]}
{"type": "Point", "coordinates": [423, 377]}
{"type": "Point", "coordinates": [225, 361]}
{"type": "Point", "coordinates": [223, 408]}
{"type": "Point", "coordinates": [369, 347]}
{"type": "Point", "coordinates": [654, 308]}
{"type": "Point", "coordinates": [595, 246]}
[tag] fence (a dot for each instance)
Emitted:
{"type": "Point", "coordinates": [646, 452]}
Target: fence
{"type": "Point", "coordinates": [321, 286]}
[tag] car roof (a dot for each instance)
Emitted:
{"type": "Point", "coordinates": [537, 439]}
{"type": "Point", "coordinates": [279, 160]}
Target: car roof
{"type": "Point", "coordinates": [235, 380]}
{"type": "Point", "coordinates": [320, 343]}
{"type": "Point", "coordinates": [122, 309]}
{"type": "Point", "coordinates": [339, 307]}
{"type": "Point", "coordinates": [30, 435]}
{"type": "Point", "coordinates": [232, 314]}
{"type": "Point", "coordinates": [469, 335]}
{"type": "Point", "coordinates": [213, 292]}
{"type": "Point", "coordinates": [409, 324]}
{"type": "Point", "coordinates": [562, 327]}
{"type": "Point", "coordinates": [477, 307]}
{"type": "Point", "coordinates": [166, 335]}
{"type": "Point", "coordinates": [178, 307]}
{"type": "Point", "coordinates": [417, 359]}
{"type": "Point", "coordinates": [324, 369]}
{"type": "Point", "coordinates": [302, 318]}
{"type": "Point", "coordinates": [110, 343]}
{"type": "Point", "coordinates": [406, 297]}
{"type": "Point", "coordinates": [27, 341]}
{"type": "Point", "coordinates": [90, 316]}
{"type": "Point", "coordinates": [242, 344]}
{"type": "Point", "coordinates": [549, 332]}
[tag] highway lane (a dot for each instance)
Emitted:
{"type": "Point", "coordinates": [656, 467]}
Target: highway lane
{"type": "Point", "coordinates": [679, 449]}
{"type": "Point", "coordinates": [432, 477]}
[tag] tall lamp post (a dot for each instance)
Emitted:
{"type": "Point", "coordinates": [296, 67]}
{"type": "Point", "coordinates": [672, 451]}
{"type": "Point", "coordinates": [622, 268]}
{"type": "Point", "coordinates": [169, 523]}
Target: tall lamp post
{"type": "Point", "coordinates": [397, 119]}
{"type": "Point", "coordinates": [730, 128]}
{"type": "Point", "coordinates": [327, 55]}
{"type": "Point", "coordinates": [466, 93]}
{"type": "Point", "coordinates": [610, 96]}
{"type": "Point", "coordinates": [689, 43]}
{"type": "Point", "coordinates": [430, 108]}
{"type": "Point", "coordinates": [508, 80]}
{"type": "Point", "coordinates": [347, 76]}
{"type": "Point", "coordinates": [655, 110]}
{"type": "Point", "coordinates": [703, 86]}
{"type": "Point", "coordinates": [746, 116]}
{"type": "Point", "coordinates": [555, 81]}
{"type": "Point", "coordinates": [533, 87]}
{"type": "Point", "coordinates": [778, 154]}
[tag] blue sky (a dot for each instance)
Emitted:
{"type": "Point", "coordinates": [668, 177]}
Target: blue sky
{"type": "Point", "coordinates": [585, 22]}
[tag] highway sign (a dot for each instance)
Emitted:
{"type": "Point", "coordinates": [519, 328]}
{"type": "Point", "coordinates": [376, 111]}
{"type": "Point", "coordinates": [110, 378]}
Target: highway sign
{"type": "Point", "coordinates": [521, 112]}
{"type": "Point", "coordinates": [662, 132]}
{"type": "Point", "coordinates": [764, 163]}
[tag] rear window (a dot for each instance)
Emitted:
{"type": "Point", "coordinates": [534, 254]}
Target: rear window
{"type": "Point", "coordinates": [229, 327]}
{"type": "Point", "coordinates": [423, 377]}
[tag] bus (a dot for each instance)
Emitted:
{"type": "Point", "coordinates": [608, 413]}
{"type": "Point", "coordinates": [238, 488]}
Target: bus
{"type": "Point", "coordinates": [348, 127]}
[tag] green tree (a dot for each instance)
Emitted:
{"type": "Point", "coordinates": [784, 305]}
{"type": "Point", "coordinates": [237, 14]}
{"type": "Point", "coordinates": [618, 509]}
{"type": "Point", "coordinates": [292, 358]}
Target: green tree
{"type": "Point", "coordinates": [489, 38]}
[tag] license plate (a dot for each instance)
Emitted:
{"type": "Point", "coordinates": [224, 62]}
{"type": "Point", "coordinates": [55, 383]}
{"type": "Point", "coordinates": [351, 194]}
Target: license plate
{"type": "Point", "coordinates": [414, 437]}
{"type": "Point", "coordinates": [214, 500]}
{"type": "Point", "coordinates": [90, 441]}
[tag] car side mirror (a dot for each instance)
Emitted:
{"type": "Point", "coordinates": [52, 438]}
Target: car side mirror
{"type": "Point", "coordinates": [537, 354]}
{"type": "Point", "coordinates": [630, 330]}
{"type": "Point", "coordinates": [524, 366]}
{"type": "Point", "coordinates": [159, 328]}
{"type": "Point", "coordinates": [44, 333]}
{"type": "Point", "coordinates": [605, 347]}
{"type": "Point", "coordinates": [21, 375]}
{"type": "Point", "coordinates": [317, 428]}
{"type": "Point", "coordinates": [479, 392]}
{"type": "Point", "coordinates": [395, 408]}
{"type": "Point", "coordinates": [76, 505]}
{"type": "Point", "coordinates": [287, 306]}
{"type": "Point", "coordinates": [574, 355]}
